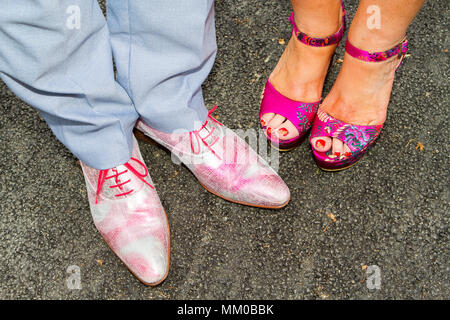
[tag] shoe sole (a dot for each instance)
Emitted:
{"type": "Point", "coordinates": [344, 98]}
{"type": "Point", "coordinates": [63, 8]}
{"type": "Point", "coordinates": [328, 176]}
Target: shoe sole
{"type": "Point", "coordinates": [297, 143]}
{"type": "Point", "coordinates": [141, 136]}
{"type": "Point", "coordinates": [245, 203]}
{"type": "Point", "coordinates": [282, 150]}
{"type": "Point", "coordinates": [340, 169]}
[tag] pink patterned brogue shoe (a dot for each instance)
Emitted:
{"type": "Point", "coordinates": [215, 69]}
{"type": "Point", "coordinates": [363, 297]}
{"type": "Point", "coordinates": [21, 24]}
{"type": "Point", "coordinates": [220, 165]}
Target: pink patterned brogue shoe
{"type": "Point", "coordinates": [301, 114]}
{"type": "Point", "coordinates": [357, 138]}
{"type": "Point", "coordinates": [224, 164]}
{"type": "Point", "coordinates": [128, 214]}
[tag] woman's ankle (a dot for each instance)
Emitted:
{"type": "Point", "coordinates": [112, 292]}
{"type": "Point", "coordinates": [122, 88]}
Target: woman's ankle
{"type": "Point", "coordinates": [301, 77]}
{"type": "Point", "coordinates": [317, 24]}
{"type": "Point", "coordinates": [373, 40]}
{"type": "Point", "coordinates": [316, 29]}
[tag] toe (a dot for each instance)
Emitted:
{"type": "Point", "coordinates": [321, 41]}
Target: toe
{"type": "Point", "coordinates": [337, 148]}
{"type": "Point", "coordinates": [286, 131]}
{"type": "Point", "coordinates": [321, 144]}
{"type": "Point", "coordinates": [276, 121]}
{"type": "Point", "coordinates": [347, 151]}
{"type": "Point", "coordinates": [266, 118]}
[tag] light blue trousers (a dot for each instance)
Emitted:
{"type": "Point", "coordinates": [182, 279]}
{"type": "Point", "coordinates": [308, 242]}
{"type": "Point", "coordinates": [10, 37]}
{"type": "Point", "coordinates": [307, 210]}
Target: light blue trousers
{"type": "Point", "coordinates": [57, 55]}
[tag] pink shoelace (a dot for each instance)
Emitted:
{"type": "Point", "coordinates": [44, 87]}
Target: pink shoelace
{"type": "Point", "coordinates": [102, 176]}
{"type": "Point", "coordinates": [199, 138]}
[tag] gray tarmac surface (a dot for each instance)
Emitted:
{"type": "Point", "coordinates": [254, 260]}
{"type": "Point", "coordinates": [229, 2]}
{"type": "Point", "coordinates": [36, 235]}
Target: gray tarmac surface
{"type": "Point", "coordinates": [391, 209]}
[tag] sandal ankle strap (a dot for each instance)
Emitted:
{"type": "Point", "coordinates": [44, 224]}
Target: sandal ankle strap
{"type": "Point", "coordinates": [320, 42]}
{"type": "Point", "coordinates": [399, 50]}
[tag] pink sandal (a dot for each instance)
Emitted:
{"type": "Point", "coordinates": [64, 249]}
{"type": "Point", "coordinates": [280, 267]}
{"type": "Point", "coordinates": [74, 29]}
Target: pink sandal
{"type": "Point", "coordinates": [357, 138]}
{"type": "Point", "coordinates": [301, 114]}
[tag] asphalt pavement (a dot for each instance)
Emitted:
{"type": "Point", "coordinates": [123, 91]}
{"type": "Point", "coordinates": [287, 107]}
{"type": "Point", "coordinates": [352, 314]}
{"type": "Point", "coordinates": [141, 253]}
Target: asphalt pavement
{"type": "Point", "coordinates": [390, 213]}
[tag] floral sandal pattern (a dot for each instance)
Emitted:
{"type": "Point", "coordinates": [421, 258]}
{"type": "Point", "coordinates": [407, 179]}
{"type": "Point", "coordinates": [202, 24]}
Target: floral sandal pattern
{"type": "Point", "coordinates": [357, 138]}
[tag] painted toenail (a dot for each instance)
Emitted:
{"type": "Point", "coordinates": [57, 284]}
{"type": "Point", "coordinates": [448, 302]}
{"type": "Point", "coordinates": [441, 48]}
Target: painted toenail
{"type": "Point", "coordinates": [283, 131]}
{"type": "Point", "coordinates": [348, 154]}
{"type": "Point", "coordinates": [263, 123]}
{"type": "Point", "coordinates": [269, 131]}
{"type": "Point", "coordinates": [320, 143]}
{"type": "Point", "coordinates": [337, 154]}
